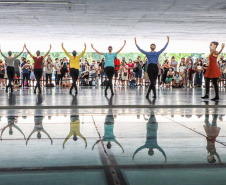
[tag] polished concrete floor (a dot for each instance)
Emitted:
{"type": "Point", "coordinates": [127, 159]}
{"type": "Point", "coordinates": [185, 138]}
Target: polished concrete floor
{"type": "Point", "coordinates": [54, 101]}
{"type": "Point", "coordinates": [113, 149]}
{"type": "Point", "coordinates": [125, 139]}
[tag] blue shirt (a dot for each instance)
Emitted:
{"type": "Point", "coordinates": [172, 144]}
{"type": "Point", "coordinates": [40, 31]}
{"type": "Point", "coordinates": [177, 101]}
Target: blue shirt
{"type": "Point", "coordinates": [25, 70]}
{"type": "Point", "coordinates": [109, 59]}
{"type": "Point", "coordinates": [152, 56]}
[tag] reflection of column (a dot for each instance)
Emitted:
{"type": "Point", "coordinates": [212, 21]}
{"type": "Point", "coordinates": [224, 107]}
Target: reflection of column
{"type": "Point", "coordinates": [109, 129]}
{"type": "Point", "coordinates": [75, 130]}
{"type": "Point", "coordinates": [151, 138]}
{"type": "Point", "coordinates": [38, 127]}
{"type": "Point", "coordinates": [11, 125]}
{"type": "Point", "coordinates": [212, 131]}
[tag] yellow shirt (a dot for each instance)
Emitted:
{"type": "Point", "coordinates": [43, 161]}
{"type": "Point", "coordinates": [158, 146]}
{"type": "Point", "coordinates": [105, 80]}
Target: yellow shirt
{"type": "Point", "coordinates": [74, 61]}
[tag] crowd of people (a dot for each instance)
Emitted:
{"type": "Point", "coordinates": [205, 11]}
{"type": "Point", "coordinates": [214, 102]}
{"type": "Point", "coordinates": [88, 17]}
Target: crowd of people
{"type": "Point", "coordinates": [74, 70]}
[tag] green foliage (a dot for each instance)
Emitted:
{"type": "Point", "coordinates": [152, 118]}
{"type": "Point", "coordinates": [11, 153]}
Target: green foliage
{"type": "Point", "coordinates": [94, 56]}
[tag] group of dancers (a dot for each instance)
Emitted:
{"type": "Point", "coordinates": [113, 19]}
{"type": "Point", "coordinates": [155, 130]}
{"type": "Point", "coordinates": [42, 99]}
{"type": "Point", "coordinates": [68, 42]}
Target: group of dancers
{"type": "Point", "coordinates": [212, 72]}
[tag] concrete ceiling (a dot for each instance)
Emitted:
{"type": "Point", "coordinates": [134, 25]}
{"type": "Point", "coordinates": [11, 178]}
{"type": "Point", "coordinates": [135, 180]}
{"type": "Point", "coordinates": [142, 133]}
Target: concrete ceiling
{"type": "Point", "coordinates": [111, 21]}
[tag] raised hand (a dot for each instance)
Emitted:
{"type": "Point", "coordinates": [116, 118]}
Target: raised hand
{"type": "Point", "coordinates": [222, 45]}
{"type": "Point", "coordinates": [135, 40]}
{"type": "Point", "coordinates": [50, 46]}
{"type": "Point", "coordinates": [167, 38]}
{"type": "Point", "coordinates": [62, 44]}
{"type": "Point", "coordinates": [92, 45]}
{"type": "Point", "coordinates": [85, 45]}
{"type": "Point", "coordinates": [124, 42]}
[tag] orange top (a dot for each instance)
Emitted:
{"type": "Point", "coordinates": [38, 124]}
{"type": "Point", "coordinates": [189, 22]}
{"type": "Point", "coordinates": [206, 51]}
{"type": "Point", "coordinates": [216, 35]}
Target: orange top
{"type": "Point", "coordinates": [213, 70]}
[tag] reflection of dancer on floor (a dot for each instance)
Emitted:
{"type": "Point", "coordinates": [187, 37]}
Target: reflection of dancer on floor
{"type": "Point", "coordinates": [212, 131]}
{"type": "Point", "coordinates": [109, 65]}
{"type": "Point", "coordinates": [152, 68]}
{"type": "Point", "coordinates": [151, 138]}
{"type": "Point", "coordinates": [11, 124]}
{"type": "Point", "coordinates": [39, 128]}
{"type": "Point", "coordinates": [213, 72]}
{"type": "Point", "coordinates": [109, 130]}
{"type": "Point", "coordinates": [10, 67]}
{"type": "Point", "coordinates": [75, 130]}
{"type": "Point", "coordinates": [38, 67]}
{"type": "Point", "coordinates": [74, 66]}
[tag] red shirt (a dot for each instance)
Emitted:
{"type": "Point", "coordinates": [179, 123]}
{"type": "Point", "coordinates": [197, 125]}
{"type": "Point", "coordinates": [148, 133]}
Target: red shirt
{"type": "Point", "coordinates": [38, 62]}
{"type": "Point", "coordinates": [117, 64]}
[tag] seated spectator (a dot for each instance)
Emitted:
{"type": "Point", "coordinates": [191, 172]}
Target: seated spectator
{"type": "Point", "coordinates": [177, 81]}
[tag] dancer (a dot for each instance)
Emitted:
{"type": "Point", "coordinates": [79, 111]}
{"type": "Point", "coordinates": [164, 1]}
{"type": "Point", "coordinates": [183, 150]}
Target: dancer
{"type": "Point", "coordinates": [75, 130]}
{"type": "Point", "coordinates": [152, 57]}
{"type": "Point", "coordinates": [151, 138]}
{"type": "Point", "coordinates": [38, 66]}
{"type": "Point", "coordinates": [11, 124]}
{"type": "Point", "coordinates": [10, 67]}
{"type": "Point", "coordinates": [109, 65]}
{"type": "Point", "coordinates": [74, 66]}
{"type": "Point", "coordinates": [109, 129]}
{"type": "Point", "coordinates": [39, 128]}
{"type": "Point", "coordinates": [213, 72]}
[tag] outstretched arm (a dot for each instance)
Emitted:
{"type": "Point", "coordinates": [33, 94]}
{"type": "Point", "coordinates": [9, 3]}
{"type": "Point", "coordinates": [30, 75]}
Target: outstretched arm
{"type": "Point", "coordinates": [119, 145]}
{"type": "Point", "coordinates": [48, 136]}
{"type": "Point", "coordinates": [222, 47]}
{"type": "Point", "coordinates": [96, 143]}
{"type": "Point", "coordinates": [33, 131]}
{"type": "Point", "coordinates": [5, 57]}
{"type": "Point", "coordinates": [69, 135]}
{"type": "Point", "coordinates": [47, 52]}
{"type": "Point", "coordinates": [68, 55]}
{"type": "Point", "coordinates": [3, 131]}
{"type": "Point", "coordinates": [122, 47]}
{"type": "Point", "coordinates": [96, 50]}
{"type": "Point", "coordinates": [141, 50]}
{"type": "Point", "coordinates": [164, 46]}
{"type": "Point", "coordinates": [14, 58]}
{"type": "Point", "coordinates": [16, 127]}
{"type": "Point", "coordinates": [163, 153]}
{"type": "Point", "coordinates": [28, 51]}
{"type": "Point", "coordinates": [83, 51]}
{"type": "Point", "coordinates": [139, 149]}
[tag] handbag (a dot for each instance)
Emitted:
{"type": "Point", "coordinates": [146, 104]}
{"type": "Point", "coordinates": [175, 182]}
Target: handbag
{"type": "Point", "coordinates": [136, 69]}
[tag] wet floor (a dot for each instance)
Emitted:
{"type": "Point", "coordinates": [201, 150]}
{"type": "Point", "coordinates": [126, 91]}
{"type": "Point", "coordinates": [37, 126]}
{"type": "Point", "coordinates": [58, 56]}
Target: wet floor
{"type": "Point", "coordinates": [111, 145]}
{"type": "Point", "coordinates": [111, 149]}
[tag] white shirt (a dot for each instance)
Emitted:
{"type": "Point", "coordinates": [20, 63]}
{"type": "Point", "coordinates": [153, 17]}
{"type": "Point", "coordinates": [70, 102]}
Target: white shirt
{"type": "Point", "coordinates": [177, 79]}
{"type": "Point", "coordinates": [95, 66]}
{"type": "Point", "coordinates": [57, 66]}
{"type": "Point", "coordinates": [182, 68]}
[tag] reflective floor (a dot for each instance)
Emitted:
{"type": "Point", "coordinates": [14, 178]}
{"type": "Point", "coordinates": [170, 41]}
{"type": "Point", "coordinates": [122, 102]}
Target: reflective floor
{"type": "Point", "coordinates": [112, 145]}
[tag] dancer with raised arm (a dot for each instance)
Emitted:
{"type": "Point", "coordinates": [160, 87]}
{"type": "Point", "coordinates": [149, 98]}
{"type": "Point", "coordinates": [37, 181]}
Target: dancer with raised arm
{"type": "Point", "coordinates": [38, 66]}
{"type": "Point", "coordinates": [39, 128]}
{"type": "Point", "coordinates": [75, 130]}
{"type": "Point", "coordinates": [151, 138]}
{"type": "Point", "coordinates": [109, 65]}
{"type": "Point", "coordinates": [213, 71]}
{"type": "Point", "coordinates": [74, 66]}
{"type": "Point", "coordinates": [10, 67]}
{"type": "Point", "coordinates": [152, 71]}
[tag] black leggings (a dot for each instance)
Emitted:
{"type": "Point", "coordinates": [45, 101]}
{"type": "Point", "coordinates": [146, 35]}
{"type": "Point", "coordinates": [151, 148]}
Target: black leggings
{"type": "Point", "coordinates": [109, 72]}
{"type": "Point", "coordinates": [38, 75]}
{"type": "Point", "coordinates": [152, 74]}
{"type": "Point", "coordinates": [25, 75]}
{"type": "Point", "coordinates": [74, 74]}
{"type": "Point", "coordinates": [10, 73]}
{"type": "Point", "coordinates": [214, 80]}
{"type": "Point", "coordinates": [49, 76]}
{"type": "Point", "coordinates": [165, 75]}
